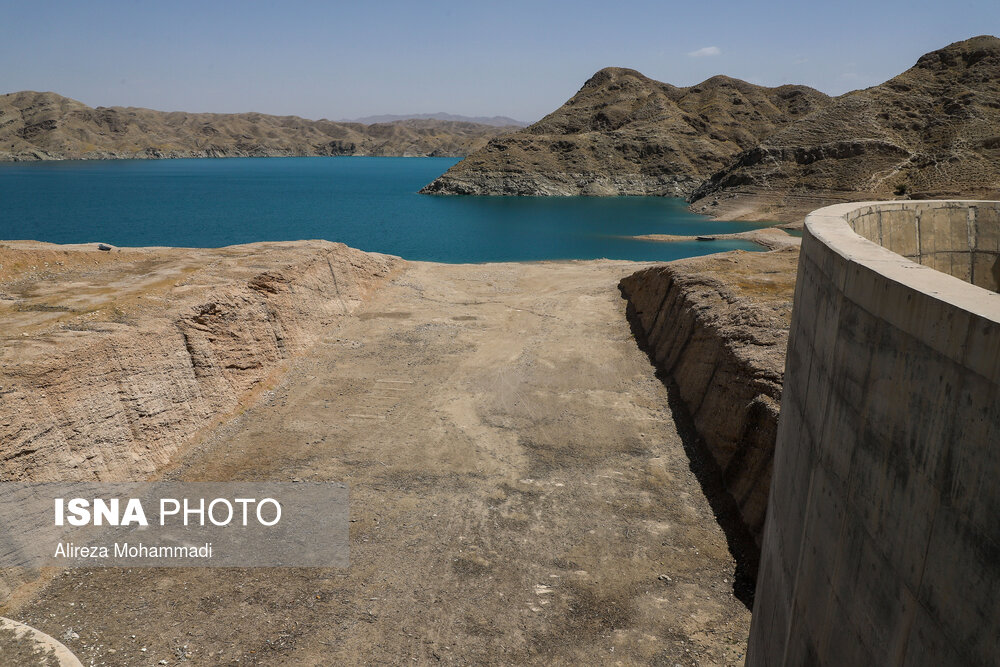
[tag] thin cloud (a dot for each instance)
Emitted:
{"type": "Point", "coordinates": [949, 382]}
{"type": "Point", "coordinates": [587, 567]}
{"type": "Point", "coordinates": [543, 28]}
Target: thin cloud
{"type": "Point", "coordinates": [707, 51]}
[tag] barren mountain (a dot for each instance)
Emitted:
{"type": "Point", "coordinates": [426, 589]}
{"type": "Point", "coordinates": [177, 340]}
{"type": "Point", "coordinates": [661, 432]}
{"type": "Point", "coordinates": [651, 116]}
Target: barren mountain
{"type": "Point", "coordinates": [39, 126]}
{"type": "Point", "coordinates": [499, 121]}
{"type": "Point", "coordinates": [626, 134]}
{"type": "Point", "coordinates": [931, 132]}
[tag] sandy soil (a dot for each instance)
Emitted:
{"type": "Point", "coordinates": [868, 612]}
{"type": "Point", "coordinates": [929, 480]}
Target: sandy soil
{"type": "Point", "coordinates": [520, 493]}
{"type": "Point", "coordinates": [771, 238]}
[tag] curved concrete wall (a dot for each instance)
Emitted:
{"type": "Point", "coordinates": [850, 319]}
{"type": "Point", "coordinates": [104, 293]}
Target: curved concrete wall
{"type": "Point", "coordinates": [26, 643]}
{"type": "Point", "coordinates": [958, 238]}
{"type": "Point", "coordinates": [882, 541]}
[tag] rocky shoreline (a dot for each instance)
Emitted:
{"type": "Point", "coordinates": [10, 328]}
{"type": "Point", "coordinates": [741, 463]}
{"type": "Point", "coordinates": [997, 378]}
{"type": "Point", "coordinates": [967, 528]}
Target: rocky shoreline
{"type": "Point", "coordinates": [219, 152]}
{"type": "Point", "coordinates": [557, 184]}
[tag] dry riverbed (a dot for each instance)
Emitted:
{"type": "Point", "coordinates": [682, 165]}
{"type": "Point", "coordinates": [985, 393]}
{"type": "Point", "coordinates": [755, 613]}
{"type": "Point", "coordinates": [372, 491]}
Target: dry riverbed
{"type": "Point", "coordinates": [520, 493]}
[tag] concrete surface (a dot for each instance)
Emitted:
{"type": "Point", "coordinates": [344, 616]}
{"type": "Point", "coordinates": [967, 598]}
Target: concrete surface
{"type": "Point", "coordinates": [882, 542]}
{"type": "Point", "coordinates": [961, 239]}
{"type": "Point", "coordinates": [23, 646]}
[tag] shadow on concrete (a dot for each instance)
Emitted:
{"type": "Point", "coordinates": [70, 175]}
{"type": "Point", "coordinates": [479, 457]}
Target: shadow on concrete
{"type": "Point", "coordinates": [741, 543]}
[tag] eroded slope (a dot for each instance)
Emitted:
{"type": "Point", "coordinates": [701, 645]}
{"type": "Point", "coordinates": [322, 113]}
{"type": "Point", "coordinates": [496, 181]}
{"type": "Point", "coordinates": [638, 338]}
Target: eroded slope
{"type": "Point", "coordinates": [111, 360]}
{"type": "Point", "coordinates": [932, 132]}
{"type": "Point", "coordinates": [626, 134]}
{"type": "Point", "coordinates": [718, 325]}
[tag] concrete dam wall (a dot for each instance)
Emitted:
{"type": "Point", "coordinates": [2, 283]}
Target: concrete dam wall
{"type": "Point", "coordinates": [882, 539]}
{"type": "Point", "coordinates": [958, 239]}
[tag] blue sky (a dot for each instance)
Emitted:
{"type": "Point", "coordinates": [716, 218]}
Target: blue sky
{"type": "Point", "coordinates": [520, 59]}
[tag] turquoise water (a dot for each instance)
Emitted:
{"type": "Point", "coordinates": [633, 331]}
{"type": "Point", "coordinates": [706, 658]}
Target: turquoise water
{"type": "Point", "coordinates": [367, 203]}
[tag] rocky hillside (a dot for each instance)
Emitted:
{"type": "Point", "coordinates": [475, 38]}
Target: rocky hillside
{"type": "Point", "coordinates": [931, 132]}
{"type": "Point", "coordinates": [743, 151]}
{"type": "Point", "coordinates": [626, 134]}
{"type": "Point", "coordinates": [39, 126]}
{"type": "Point", "coordinates": [499, 121]}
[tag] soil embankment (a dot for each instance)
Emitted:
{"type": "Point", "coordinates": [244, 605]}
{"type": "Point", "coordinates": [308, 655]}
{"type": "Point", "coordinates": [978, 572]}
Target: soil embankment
{"type": "Point", "coordinates": [113, 360]}
{"type": "Point", "coordinates": [718, 326]}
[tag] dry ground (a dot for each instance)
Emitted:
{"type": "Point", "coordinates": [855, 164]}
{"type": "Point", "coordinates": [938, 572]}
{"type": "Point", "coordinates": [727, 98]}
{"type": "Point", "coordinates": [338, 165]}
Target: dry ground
{"type": "Point", "coordinates": [519, 494]}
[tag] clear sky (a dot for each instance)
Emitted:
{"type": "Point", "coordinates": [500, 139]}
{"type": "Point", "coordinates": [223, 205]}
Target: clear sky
{"type": "Point", "coordinates": [514, 58]}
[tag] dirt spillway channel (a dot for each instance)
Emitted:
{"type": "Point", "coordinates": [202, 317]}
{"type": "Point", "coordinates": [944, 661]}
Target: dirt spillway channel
{"type": "Point", "coordinates": [519, 494]}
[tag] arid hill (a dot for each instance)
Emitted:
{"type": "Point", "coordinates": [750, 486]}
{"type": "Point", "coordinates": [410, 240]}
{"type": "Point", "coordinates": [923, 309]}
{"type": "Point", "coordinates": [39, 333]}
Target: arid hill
{"type": "Point", "coordinates": [931, 132]}
{"type": "Point", "coordinates": [40, 126]}
{"type": "Point", "coordinates": [626, 134]}
{"type": "Point", "coordinates": [743, 151]}
{"type": "Point", "coordinates": [499, 121]}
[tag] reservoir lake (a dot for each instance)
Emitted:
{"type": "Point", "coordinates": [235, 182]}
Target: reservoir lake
{"type": "Point", "coordinates": [368, 203]}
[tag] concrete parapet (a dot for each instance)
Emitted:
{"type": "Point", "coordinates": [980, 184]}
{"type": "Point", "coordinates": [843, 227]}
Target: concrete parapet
{"type": "Point", "coordinates": [882, 539]}
{"type": "Point", "coordinates": [958, 238]}
{"type": "Point", "coordinates": [23, 645]}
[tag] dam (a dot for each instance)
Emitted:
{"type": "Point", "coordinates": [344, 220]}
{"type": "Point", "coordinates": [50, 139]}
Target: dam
{"type": "Point", "coordinates": [881, 544]}
{"type": "Point", "coordinates": [569, 489]}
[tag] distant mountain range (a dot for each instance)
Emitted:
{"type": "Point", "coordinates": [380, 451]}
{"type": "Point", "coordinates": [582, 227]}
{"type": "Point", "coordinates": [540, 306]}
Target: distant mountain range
{"type": "Point", "coordinates": [42, 126]}
{"type": "Point", "coordinates": [737, 150]}
{"type": "Point", "coordinates": [497, 121]}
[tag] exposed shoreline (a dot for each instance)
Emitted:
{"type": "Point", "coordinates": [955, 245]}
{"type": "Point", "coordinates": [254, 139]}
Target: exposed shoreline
{"type": "Point", "coordinates": [771, 238]}
{"type": "Point", "coordinates": [202, 155]}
